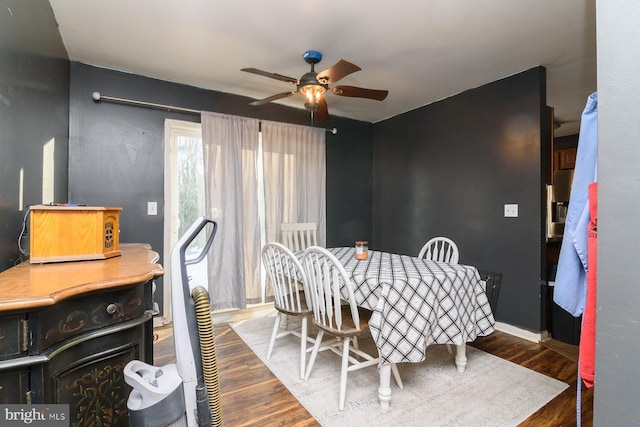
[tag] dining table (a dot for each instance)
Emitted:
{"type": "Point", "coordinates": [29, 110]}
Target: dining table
{"type": "Point", "coordinates": [416, 303]}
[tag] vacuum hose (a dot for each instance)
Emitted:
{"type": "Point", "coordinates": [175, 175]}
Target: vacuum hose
{"type": "Point", "coordinates": [208, 352]}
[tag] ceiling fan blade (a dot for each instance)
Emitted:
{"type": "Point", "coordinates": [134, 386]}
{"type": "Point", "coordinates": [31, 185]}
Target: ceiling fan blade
{"type": "Point", "coordinates": [271, 75]}
{"type": "Point", "coordinates": [272, 98]}
{"type": "Point", "coordinates": [360, 92]}
{"type": "Point", "coordinates": [340, 70]}
{"type": "Point", "coordinates": [321, 115]}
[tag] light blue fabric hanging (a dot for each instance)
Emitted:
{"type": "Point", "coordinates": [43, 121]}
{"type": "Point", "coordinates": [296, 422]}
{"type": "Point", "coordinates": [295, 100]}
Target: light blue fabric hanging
{"type": "Point", "coordinates": [571, 281]}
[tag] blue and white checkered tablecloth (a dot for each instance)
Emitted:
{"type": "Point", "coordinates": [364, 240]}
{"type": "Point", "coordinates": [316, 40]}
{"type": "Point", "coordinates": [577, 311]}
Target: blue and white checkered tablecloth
{"type": "Point", "coordinates": [416, 302]}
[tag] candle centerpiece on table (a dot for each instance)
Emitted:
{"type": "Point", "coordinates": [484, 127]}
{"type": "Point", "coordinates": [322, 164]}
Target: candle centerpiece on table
{"type": "Point", "coordinates": [362, 249]}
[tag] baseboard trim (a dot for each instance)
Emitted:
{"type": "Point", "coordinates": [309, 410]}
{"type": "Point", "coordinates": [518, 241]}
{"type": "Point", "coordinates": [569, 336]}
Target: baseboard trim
{"type": "Point", "coordinates": [521, 333]}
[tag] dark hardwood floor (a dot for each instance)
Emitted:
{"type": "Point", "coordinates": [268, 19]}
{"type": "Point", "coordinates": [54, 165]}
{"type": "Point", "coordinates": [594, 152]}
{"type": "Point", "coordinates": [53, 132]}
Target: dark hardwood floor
{"type": "Point", "coordinates": [253, 396]}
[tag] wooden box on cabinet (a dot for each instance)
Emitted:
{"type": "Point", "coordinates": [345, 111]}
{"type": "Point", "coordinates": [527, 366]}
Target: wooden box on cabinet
{"type": "Point", "coordinates": [73, 233]}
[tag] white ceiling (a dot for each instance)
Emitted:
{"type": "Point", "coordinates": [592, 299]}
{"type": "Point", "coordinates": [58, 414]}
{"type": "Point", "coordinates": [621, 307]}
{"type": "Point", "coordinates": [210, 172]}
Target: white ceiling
{"type": "Point", "coordinates": [421, 51]}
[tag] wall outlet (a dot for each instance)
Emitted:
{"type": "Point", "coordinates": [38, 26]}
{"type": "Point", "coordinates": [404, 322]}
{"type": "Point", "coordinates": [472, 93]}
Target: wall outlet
{"type": "Point", "coordinates": [510, 210]}
{"type": "Point", "coordinates": [152, 208]}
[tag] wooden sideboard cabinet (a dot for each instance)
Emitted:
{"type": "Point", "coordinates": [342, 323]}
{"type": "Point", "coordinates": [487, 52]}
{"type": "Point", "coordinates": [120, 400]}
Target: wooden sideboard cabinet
{"type": "Point", "coordinates": [68, 329]}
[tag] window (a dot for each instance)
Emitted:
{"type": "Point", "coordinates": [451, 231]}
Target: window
{"type": "Point", "coordinates": [250, 193]}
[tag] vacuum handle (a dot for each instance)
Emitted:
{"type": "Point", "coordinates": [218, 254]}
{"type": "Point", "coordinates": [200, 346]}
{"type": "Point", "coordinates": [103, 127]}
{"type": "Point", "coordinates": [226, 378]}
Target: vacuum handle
{"type": "Point", "coordinates": [140, 375]}
{"type": "Point", "coordinates": [194, 231]}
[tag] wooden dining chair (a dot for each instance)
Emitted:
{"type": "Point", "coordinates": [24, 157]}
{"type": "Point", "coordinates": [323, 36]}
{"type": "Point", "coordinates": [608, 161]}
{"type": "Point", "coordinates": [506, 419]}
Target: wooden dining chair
{"type": "Point", "coordinates": [287, 278]}
{"type": "Point", "coordinates": [335, 313]}
{"type": "Point", "coordinates": [440, 249]}
{"type": "Point", "coordinates": [298, 236]}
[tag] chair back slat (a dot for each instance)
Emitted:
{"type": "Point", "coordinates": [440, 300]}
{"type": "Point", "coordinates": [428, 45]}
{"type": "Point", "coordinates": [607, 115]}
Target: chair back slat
{"type": "Point", "coordinates": [298, 236]}
{"type": "Point", "coordinates": [287, 277]}
{"type": "Point", "coordinates": [328, 286]}
{"type": "Point", "coordinates": [440, 249]}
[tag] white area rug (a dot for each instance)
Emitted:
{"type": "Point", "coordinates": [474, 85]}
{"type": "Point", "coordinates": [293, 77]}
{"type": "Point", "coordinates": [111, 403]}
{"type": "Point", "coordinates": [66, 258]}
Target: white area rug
{"type": "Point", "coordinates": [492, 391]}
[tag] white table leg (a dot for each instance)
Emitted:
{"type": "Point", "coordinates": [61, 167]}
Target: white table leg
{"type": "Point", "coordinates": [384, 390]}
{"type": "Point", "coordinates": [461, 357]}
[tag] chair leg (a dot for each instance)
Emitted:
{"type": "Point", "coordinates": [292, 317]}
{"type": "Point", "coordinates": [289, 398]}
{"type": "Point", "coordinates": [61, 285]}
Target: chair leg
{"type": "Point", "coordinates": [314, 353]}
{"type": "Point", "coordinates": [343, 371]}
{"type": "Point", "coordinates": [303, 346]}
{"type": "Point", "coordinates": [274, 334]}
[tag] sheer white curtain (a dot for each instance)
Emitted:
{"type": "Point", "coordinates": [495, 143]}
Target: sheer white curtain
{"type": "Point", "coordinates": [230, 146]}
{"type": "Point", "coordinates": [294, 177]}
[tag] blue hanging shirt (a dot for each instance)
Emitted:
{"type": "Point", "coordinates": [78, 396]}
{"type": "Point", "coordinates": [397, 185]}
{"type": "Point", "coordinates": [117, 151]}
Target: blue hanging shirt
{"type": "Point", "coordinates": [571, 280]}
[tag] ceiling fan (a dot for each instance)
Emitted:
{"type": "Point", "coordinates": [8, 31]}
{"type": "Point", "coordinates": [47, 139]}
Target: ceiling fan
{"type": "Point", "coordinates": [313, 86]}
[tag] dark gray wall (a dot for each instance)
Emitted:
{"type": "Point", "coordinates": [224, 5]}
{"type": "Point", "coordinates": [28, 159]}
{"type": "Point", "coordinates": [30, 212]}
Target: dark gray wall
{"type": "Point", "coordinates": [349, 185]}
{"type": "Point", "coordinates": [117, 151]}
{"type": "Point", "coordinates": [448, 169]}
{"type": "Point", "coordinates": [618, 294]}
{"type": "Point", "coordinates": [34, 108]}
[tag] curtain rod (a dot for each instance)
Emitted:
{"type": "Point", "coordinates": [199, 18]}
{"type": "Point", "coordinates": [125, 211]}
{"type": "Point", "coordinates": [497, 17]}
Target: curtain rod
{"type": "Point", "coordinates": [99, 97]}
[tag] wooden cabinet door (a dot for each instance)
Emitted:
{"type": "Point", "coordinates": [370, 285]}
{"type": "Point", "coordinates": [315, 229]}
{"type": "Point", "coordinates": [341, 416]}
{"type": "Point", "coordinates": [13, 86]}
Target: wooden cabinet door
{"type": "Point", "coordinates": [14, 386]}
{"type": "Point", "coordinates": [568, 158]}
{"type": "Point", "coordinates": [88, 374]}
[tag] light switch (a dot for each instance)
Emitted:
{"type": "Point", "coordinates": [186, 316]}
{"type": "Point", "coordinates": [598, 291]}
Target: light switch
{"type": "Point", "coordinates": [510, 210]}
{"type": "Point", "coordinates": [152, 208]}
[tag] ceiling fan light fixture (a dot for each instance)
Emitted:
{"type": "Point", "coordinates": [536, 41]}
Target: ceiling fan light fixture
{"type": "Point", "coordinates": [312, 94]}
